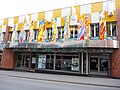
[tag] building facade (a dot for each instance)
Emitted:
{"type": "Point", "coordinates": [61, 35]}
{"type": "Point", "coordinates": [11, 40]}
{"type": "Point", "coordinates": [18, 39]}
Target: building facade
{"type": "Point", "coordinates": [82, 39]}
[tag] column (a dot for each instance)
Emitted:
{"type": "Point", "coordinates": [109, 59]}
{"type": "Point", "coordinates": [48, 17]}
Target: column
{"type": "Point", "coordinates": [82, 63]}
{"type": "Point", "coordinates": [98, 65]}
{"type": "Point", "coordinates": [22, 60]}
{"type": "Point", "coordinates": [30, 61]}
{"type": "Point", "coordinates": [54, 61]}
{"type": "Point", "coordinates": [87, 63]}
{"type": "Point", "coordinates": [79, 62]}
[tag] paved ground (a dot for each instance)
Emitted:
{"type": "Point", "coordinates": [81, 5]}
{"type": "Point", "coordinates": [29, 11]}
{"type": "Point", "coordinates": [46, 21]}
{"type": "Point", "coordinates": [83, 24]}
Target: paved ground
{"type": "Point", "coordinates": [94, 81]}
{"type": "Point", "coordinates": [16, 83]}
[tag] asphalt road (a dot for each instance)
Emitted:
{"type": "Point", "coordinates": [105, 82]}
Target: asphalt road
{"type": "Point", "coordinates": [16, 83]}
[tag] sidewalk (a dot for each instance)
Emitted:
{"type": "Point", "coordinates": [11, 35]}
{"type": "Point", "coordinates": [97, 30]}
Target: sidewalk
{"type": "Point", "coordinates": [106, 82]}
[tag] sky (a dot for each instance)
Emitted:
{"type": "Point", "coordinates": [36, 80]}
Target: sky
{"type": "Point", "coordinates": [11, 8]}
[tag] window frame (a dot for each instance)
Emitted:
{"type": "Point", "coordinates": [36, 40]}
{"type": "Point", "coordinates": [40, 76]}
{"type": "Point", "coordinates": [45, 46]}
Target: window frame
{"type": "Point", "coordinates": [60, 32]}
{"type": "Point", "coordinates": [95, 30]}
{"type": "Point", "coordinates": [26, 35]}
{"type": "Point", "coordinates": [111, 29]}
{"type": "Point", "coordinates": [18, 35]}
{"type": "Point", "coordinates": [74, 30]}
{"type": "Point", "coordinates": [35, 34]}
{"type": "Point", "coordinates": [49, 33]}
{"type": "Point", "coordinates": [10, 36]}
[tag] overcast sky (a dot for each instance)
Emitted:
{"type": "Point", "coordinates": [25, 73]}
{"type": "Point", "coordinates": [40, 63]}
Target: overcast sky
{"type": "Point", "coordinates": [11, 8]}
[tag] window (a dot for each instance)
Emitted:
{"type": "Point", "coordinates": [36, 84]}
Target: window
{"type": "Point", "coordinates": [67, 62]}
{"type": "Point", "coordinates": [26, 35]}
{"type": "Point", "coordinates": [46, 34]}
{"type": "Point", "coordinates": [18, 34]}
{"type": "Point", "coordinates": [1, 36]}
{"type": "Point", "coordinates": [111, 29]}
{"type": "Point", "coordinates": [35, 34]}
{"type": "Point", "coordinates": [10, 36]}
{"type": "Point", "coordinates": [73, 32]}
{"type": "Point", "coordinates": [49, 33]}
{"type": "Point", "coordinates": [94, 30]}
{"type": "Point", "coordinates": [60, 32]}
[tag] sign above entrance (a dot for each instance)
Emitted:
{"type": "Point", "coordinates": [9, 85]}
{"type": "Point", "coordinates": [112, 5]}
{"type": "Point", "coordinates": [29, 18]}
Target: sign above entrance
{"type": "Point", "coordinates": [69, 50]}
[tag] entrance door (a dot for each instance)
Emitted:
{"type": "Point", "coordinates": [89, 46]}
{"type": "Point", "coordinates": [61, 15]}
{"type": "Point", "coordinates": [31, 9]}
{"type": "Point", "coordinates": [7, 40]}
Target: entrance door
{"type": "Point", "coordinates": [25, 63]}
{"type": "Point", "coordinates": [94, 65]}
{"type": "Point", "coordinates": [33, 62]}
{"type": "Point", "coordinates": [99, 65]}
{"type": "Point", "coordinates": [104, 65]}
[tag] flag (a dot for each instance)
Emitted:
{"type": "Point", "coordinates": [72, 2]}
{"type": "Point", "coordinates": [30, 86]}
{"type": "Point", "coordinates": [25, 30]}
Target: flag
{"type": "Point", "coordinates": [102, 26]}
{"type": "Point", "coordinates": [41, 30]}
{"type": "Point", "coordinates": [1, 34]}
{"type": "Point", "coordinates": [54, 29]}
{"type": "Point", "coordinates": [14, 33]}
{"type": "Point", "coordinates": [83, 27]}
{"type": "Point", "coordinates": [87, 26]}
{"type": "Point", "coordinates": [21, 34]}
{"type": "Point", "coordinates": [66, 28]}
{"type": "Point", "coordinates": [81, 32]}
{"type": "Point", "coordinates": [30, 32]}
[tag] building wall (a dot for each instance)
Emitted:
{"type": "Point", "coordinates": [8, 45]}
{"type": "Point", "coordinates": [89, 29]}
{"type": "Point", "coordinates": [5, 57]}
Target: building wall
{"type": "Point", "coordinates": [115, 58]}
{"type": "Point", "coordinates": [93, 9]}
{"type": "Point", "coordinates": [8, 54]}
{"type": "Point", "coordinates": [7, 59]}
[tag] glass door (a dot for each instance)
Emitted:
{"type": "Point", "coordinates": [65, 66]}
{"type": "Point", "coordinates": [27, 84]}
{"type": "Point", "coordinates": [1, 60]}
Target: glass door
{"type": "Point", "coordinates": [99, 65]}
{"type": "Point", "coordinates": [26, 60]}
{"type": "Point", "coordinates": [94, 64]}
{"type": "Point", "coordinates": [104, 65]}
{"type": "Point", "coordinates": [33, 62]}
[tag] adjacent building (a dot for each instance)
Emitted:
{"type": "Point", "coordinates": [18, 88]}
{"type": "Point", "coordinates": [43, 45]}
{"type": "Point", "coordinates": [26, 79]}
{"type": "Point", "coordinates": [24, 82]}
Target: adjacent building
{"type": "Point", "coordinates": [81, 39]}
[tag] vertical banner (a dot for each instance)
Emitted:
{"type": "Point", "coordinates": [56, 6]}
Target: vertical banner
{"type": "Point", "coordinates": [14, 34]}
{"type": "Point", "coordinates": [30, 33]}
{"type": "Point", "coordinates": [1, 34]}
{"type": "Point", "coordinates": [66, 28]}
{"type": "Point", "coordinates": [87, 27]}
{"type": "Point", "coordinates": [102, 26]}
{"type": "Point", "coordinates": [54, 29]}
{"type": "Point", "coordinates": [41, 30]}
{"type": "Point", "coordinates": [22, 35]}
{"type": "Point", "coordinates": [42, 61]}
{"type": "Point", "coordinates": [83, 27]}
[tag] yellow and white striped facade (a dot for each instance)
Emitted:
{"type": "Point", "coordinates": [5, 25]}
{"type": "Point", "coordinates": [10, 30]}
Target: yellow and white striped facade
{"type": "Point", "coordinates": [93, 9]}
